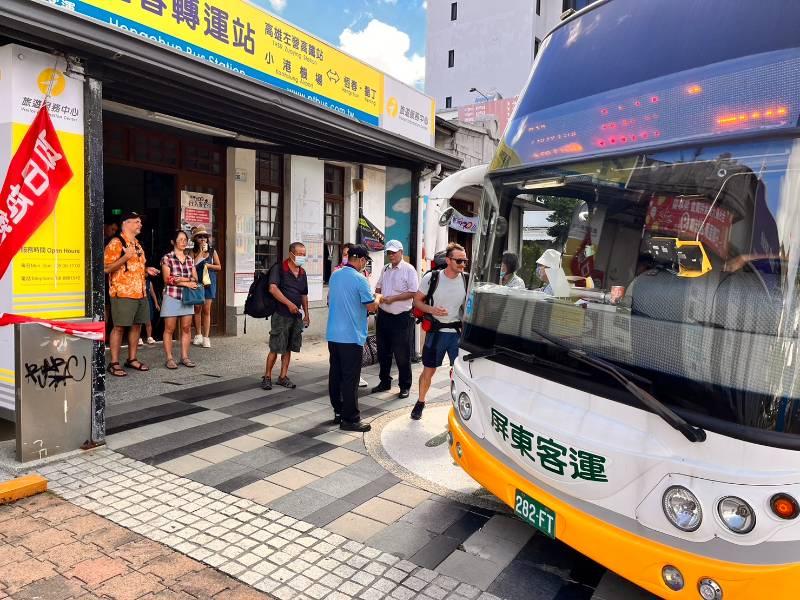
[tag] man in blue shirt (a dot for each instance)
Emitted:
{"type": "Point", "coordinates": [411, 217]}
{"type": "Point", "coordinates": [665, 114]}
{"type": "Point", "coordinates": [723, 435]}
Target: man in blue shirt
{"type": "Point", "coordinates": [349, 299]}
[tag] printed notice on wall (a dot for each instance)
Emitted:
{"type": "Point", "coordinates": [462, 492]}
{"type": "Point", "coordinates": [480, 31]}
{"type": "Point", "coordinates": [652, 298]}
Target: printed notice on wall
{"type": "Point", "coordinates": [314, 256]}
{"type": "Point", "coordinates": [242, 282]}
{"type": "Point", "coordinates": [197, 210]}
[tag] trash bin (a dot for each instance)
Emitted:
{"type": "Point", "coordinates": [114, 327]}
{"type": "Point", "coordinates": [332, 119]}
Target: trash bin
{"type": "Point", "coordinates": [53, 391]}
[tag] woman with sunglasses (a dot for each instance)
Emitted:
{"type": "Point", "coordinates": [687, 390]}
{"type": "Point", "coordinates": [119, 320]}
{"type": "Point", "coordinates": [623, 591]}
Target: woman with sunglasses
{"type": "Point", "coordinates": [205, 259]}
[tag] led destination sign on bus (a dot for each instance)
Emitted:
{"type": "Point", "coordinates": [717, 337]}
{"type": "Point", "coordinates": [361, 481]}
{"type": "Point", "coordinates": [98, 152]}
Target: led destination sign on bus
{"type": "Point", "coordinates": [708, 102]}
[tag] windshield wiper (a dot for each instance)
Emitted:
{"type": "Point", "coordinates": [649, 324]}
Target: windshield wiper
{"type": "Point", "coordinates": [531, 359]}
{"type": "Point", "coordinates": [622, 376]}
{"type": "Point", "coordinates": [495, 350]}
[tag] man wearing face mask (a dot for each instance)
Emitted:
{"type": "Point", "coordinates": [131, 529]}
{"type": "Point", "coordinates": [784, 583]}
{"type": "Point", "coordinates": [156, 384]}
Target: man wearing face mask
{"type": "Point", "coordinates": [289, 285]}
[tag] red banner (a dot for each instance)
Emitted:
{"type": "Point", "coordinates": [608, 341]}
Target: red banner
{"type": "Point", "coordinates": [95, 331]}
{"type": "Point", "coordinates": [684, 217]}
{"type": "Point", "coordinates": [36, 174]}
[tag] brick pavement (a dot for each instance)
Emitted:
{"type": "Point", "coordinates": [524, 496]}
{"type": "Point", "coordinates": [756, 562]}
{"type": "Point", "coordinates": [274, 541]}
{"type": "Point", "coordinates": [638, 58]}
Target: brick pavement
{"type": "Point", "coordinates": [51, 549]}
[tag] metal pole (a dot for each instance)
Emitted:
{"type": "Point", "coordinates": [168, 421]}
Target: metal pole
{"type": "Point", "coordinates": [95, 278]}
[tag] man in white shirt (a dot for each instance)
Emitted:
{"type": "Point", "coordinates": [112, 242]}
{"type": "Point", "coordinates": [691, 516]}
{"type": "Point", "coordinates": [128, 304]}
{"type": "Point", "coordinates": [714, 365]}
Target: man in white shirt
{"type": "Point", "coordinates": [445, 309]}
{"type": "Point", "coordinates": [397, 284]}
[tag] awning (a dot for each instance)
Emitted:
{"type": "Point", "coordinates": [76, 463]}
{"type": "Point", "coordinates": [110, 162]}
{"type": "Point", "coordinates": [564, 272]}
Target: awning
{"type": "Point", "coordinates": [139, 73]}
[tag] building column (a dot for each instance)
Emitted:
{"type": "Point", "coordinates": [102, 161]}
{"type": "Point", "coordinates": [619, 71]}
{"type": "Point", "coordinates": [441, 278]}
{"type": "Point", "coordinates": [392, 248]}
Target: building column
{"type": "Point", "coordinates": [240, 235]}
{"type": "Point", "coordinates": [95, 278]}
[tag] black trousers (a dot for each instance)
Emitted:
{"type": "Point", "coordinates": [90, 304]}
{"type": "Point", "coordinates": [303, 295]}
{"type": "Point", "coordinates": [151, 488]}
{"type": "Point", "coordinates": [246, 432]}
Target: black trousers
{"type": "Point", "coordinates": [345, 371]}
{"type": "Point", "coordinates": [393, 333]}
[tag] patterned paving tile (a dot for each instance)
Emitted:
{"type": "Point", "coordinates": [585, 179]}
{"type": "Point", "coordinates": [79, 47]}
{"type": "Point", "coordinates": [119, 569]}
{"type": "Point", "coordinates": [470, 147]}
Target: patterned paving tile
{"type": "Point", "coordinates": [292, 501]}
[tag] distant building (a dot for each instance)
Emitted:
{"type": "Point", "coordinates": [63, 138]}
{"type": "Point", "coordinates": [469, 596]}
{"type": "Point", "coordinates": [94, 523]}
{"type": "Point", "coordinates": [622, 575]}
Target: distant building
{"type": "Point", "coordinates": [486, 46]}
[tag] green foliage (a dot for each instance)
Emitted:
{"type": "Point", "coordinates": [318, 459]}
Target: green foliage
{"type": "Point", "coordinates": [531, 251]}
{"type": "Point", "coordinates": [563, 209]}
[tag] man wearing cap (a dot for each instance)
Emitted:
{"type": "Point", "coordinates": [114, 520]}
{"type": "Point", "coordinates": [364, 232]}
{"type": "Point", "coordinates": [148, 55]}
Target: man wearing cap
{"type": "Point", "coordinates": [397, 285]}
{"type": "Point", "coordinates": [125, 264]}
{"type": "Point", "coordinates": [349, 301]}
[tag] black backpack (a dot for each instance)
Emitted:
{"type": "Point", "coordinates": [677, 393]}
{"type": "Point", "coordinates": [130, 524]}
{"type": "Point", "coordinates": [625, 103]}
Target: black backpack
{"type": "Point", "coordinates": [260, 303]}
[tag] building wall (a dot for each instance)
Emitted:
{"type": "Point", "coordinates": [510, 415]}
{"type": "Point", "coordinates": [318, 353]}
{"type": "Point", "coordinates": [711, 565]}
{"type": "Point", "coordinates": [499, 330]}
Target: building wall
{"type": "Point", "coordinates": [493, 44]}
{"type": "Point", "coordinates": [473, 144]}
{"type": "Point", "coordinates": [306, 199]}
{"type": "Point", "coordinates": [398, 207]}
{"type": "Point", "coordinates": [375, 211]}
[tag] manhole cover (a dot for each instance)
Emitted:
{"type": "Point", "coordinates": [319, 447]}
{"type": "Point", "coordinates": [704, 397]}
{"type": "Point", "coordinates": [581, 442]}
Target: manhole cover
{"type": "Point", "coordinates": [417, 452]}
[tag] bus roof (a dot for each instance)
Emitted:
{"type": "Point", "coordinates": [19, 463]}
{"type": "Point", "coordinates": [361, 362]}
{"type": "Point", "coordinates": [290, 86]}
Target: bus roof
{"type": "Point", "coordinates": [625, 75]}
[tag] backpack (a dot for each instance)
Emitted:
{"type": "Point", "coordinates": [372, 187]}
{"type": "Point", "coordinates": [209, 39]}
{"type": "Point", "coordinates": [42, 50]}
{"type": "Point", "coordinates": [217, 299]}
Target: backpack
{"type": "Point", "coordinates": [428, 322]}
{"type": "Point", "coordinates": [260, 303]}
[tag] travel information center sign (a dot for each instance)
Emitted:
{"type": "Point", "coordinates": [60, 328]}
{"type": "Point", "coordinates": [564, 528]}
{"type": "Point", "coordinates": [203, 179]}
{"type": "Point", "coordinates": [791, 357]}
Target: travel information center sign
{"type": "Point", "coordinates": [235, 35]}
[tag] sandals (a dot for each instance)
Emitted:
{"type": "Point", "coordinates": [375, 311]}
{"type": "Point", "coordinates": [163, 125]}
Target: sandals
{"type": "Point", "coordinates": [286, 382]}
{"type": "Point", "coordinates": [115, 370]}
{"type": "Point", "coordinates": [171, 364]}
{"type": "Point", "coordinates": [136, 364]}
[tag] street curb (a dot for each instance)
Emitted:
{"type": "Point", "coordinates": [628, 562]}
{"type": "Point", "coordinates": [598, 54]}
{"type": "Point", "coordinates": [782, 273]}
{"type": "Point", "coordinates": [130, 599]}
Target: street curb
{"type": "Point", "coordinates": [374, 445]}
{"type": "Point", "coordinates": [22, 487]}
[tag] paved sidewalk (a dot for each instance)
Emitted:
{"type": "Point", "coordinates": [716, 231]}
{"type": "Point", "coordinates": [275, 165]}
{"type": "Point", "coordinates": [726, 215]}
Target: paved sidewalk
{"type": "Point", "coordinates": [262, 486]}
{"type": "Point", "coordinates": [51, 549]}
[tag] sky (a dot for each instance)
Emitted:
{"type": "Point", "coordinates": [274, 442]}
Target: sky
{"type": "Point", "coordinates": [387, 34]}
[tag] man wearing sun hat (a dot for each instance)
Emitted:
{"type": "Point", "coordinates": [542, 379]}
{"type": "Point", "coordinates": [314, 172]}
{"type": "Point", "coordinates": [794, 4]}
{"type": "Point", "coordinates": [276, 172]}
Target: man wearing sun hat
{"type": "Point", "coordinates": [397, 285]}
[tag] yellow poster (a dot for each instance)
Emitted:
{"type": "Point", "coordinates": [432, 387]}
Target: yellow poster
{"type": "Point", "coordinates": [238, 36]}
{"type": "Point", "coordinates": [48, 274]}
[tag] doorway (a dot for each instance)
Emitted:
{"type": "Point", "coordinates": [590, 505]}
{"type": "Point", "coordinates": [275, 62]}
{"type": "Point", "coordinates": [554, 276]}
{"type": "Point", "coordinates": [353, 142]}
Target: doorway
{"type": "Point", "coordinates": [145, 170]}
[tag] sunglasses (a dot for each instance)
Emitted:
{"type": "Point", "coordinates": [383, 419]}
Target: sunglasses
{"type": "Point", "coordinates": [460, 261]}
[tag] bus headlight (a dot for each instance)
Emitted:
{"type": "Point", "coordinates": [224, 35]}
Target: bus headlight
{"type": "Point", "coordinates": [737, 514]}
{"type": "Point", "coordinates": [453, 391]}
{"type": "Point", "coordinates": [682, 508]}
{"type": "Point", "coordinates": [464, 406]}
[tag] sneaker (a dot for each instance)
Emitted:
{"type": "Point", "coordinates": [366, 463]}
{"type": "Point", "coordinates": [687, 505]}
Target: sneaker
{"type": "Point", "coordinates": [359, 427]}
{"type": "Point", "coordinates": [416, 412]}
{"type": "Point", "coordinates": [381, 387]}
{"type": "Point", "coordinates": [362, 382]}
{"type": "Point", "coordinates": [404, 394]}
{"type": "Point", "coordinates": [141, 342]}
{"type": "Point", "coordinates": [198, 340]}
{"type": "Point", "coordinates": [206, 342]}
{"type": "Point", "coordinates": [151, 341]}
{"type": "Point", "coordinates": [337, 419]}
{"type": "Point", "coordinates": [266, 383]}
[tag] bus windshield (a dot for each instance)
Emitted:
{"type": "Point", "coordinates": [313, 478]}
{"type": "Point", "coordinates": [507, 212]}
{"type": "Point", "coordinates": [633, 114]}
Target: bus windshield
{"type": "Point", "coordinates": [680, 266]}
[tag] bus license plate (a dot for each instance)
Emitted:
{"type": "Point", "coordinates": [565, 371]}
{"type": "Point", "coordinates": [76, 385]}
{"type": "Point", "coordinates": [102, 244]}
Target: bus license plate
{"type": "Point", "coordinates": [534, 512]}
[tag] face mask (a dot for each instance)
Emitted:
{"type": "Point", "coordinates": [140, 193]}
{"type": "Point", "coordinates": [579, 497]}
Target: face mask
{"type": "Point", "coordinates": [344, 260]}
{"type": "Point", "coordinates": [299, 260]}
{"type": "Point", "coordinates": [502, 274]}
{"type": "Point", "coordinates": [540, 272]}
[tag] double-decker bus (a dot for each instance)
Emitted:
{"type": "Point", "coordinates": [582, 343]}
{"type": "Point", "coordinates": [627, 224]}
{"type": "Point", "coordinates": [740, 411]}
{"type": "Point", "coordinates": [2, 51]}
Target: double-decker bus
{"type": "Point", "coordinates": [640, 398]}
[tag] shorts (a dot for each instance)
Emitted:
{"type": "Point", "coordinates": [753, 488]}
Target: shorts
{"type": "Point", "coordinates": [437, 344]}
{"type": "Point", "coordinates": [129, 311]}
{"type": "Point", "coordinates": [286, 334]}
